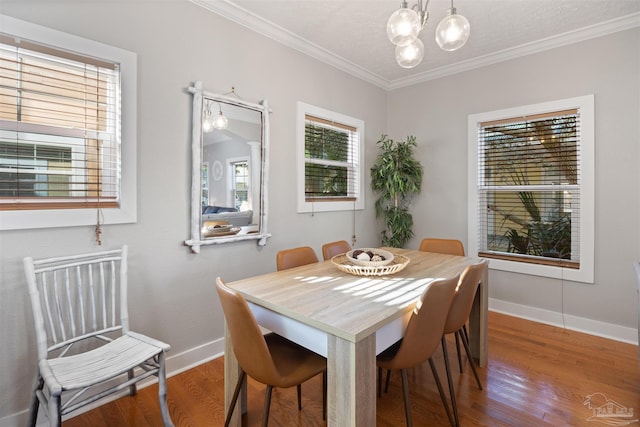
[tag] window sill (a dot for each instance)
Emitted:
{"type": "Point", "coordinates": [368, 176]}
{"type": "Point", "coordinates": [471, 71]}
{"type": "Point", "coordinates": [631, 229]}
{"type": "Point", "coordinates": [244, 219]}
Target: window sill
{"type": "Point", "coordinates": [310, 207]}
{"type": "Point", "coordinates": [53, 218]}
{"type": "Point", "coordinates": [583, 274]}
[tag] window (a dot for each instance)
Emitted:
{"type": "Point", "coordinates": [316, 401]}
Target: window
{"type": "Point", "coordinates": [531, 189]}
{"type": "Point", "coordinates": [240, 184]}
{"type": "Point", "coordinates": [329, 160]}
{"type": "Point", "coordinates": [67, 135]}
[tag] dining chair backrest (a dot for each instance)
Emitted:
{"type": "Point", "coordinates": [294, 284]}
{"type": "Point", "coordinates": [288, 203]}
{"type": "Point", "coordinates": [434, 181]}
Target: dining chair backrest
{"type": "Point", "coordinates": [424, 330]}
{"type": "Point", "coordinates": [295, 257]}
{"type": "Point", "coordinates": [329, 250]}
{"type": "Point", "coordinates": [442, 246]}
{"type": "Point", "coordinates": [77, 297]}
{"type": "Point", "coordinates": [249, 345]}
{"type": "Point", "coordinates": [462, 302]}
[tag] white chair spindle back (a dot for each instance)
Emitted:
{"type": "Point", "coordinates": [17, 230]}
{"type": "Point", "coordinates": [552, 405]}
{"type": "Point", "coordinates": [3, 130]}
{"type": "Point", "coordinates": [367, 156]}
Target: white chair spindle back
{"type": "Point", "coordinates": [81, 296]}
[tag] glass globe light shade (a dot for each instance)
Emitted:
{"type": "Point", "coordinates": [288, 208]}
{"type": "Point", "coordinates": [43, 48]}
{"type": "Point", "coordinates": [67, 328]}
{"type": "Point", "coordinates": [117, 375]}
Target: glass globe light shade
{"type": "Point", "coordinates": [207, 126]}
{"type": "Point", "coordinates": [403, 26]}
{"type": "Point", "coordinates": [453, 31]}
{"type": "Point", "coordinates": [220, 122]}
{"type": "Point", "coordinates": [410, 55]}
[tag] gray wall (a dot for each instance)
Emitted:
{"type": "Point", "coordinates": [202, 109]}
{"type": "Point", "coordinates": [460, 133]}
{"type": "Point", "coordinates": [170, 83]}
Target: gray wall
{"type": "Point", "coordinates": [436, 112]}
{"type": "Point", "coordinates": [171, 292]}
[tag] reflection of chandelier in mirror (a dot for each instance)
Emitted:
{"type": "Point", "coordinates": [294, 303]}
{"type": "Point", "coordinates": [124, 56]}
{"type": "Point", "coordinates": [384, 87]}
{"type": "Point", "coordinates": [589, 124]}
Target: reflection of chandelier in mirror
{"type": "Point", "coordinates": [210, 122]}
{"type": "Point", "coordinates": [405, 24]}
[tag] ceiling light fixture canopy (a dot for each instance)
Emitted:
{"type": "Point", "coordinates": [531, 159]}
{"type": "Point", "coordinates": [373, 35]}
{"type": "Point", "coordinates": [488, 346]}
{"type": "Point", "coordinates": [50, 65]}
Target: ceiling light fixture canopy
{"type": "Point", "coordinates": [405, 24]}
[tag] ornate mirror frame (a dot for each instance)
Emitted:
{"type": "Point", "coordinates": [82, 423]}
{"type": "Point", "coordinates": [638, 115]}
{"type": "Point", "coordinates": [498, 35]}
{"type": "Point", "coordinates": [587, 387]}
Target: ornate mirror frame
{"type": "Point", "coordinates": [197, 239]}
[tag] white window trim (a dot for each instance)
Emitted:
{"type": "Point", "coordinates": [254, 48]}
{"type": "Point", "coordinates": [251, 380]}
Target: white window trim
{"type": "Point", "coordinates": [585, 104]}
{"type": "Point", "coordinates": [304, 206]}
{"type": "Point", "coordinates": [230, 187]}
{"type": "Point", "coordinates": [127, 212]}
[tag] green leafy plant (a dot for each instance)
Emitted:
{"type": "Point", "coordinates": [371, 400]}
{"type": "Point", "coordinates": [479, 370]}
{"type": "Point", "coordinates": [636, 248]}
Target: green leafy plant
{"type": "Point", "coordinates": [396, 175]}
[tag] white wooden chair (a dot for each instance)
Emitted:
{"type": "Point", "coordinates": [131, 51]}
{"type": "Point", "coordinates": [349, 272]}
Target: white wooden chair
{"type": "Point", "coordinates": [82, 298]}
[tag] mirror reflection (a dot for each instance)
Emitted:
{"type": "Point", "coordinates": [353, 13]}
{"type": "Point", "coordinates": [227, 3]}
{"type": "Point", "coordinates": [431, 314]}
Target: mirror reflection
{"type": "Point", "coordinates": [230, 169]}
{"type": "Point", "coordinates": [230, 139]}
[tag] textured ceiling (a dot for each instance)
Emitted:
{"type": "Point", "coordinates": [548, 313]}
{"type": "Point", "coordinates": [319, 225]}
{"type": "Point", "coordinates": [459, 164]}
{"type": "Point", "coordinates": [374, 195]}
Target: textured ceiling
{"type": "Point", "coordinates": [351, 34]}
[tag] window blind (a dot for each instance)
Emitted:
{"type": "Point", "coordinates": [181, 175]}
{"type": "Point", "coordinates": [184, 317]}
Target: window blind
{"type": "Point", "coordinates": [59, 128]}
{"type": "Point", "coordinates": [529, 188]}
{"type": "Point", "coordinates": [331, 160]}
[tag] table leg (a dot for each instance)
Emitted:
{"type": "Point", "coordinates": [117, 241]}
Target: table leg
{"type": "Point", "coordinates": [231, 375]}
{"type": "Point", "coordinates": [351, 393]}
{"type": "Point", "coordinates": [479, 322]}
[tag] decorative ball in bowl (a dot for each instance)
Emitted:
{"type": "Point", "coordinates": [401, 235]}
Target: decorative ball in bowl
{"type": "Point", "coordinates": [370, 257]}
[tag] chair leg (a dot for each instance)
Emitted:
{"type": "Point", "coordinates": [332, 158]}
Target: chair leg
{"type": "Point", "coordinates": [162, 391]}
{"type": "Point", "coordinates": [234, 399]}
{"type": "Point", "coordinates": [452, 391]}
{"type": "Point", "coordinates": [441, 391]}
{"type": "Point", "coordinates": [55, 416]}
{"type": "Point", "coordinates": [35, 405]}
{"type": "Point", "coordinates": [324, 395]}
{"type": "Point", "coordinates": [386, 383]}
{"type": "Point", "coordinates": [132, 388]}
{"type": "Point", "coordinates": [457, 335]}
{"type": "Point", "coordinates": [299, 390]}
{"type": "Point", "coordinates": [267, 406]}
{"type": "Point", "coordinates": [465, 343]}
{"type": "Point", "coordinates": [405, 393]}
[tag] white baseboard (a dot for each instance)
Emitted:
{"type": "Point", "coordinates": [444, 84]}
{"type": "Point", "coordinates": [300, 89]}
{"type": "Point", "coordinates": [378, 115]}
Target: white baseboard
{"type": "Point", "coordinates": [175, 364]}
{"type": "Point", "coordinates": [567, 321]}
{"type": "Point", "coordinates": [194, 357]}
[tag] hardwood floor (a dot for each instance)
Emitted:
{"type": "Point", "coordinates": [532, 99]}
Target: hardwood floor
{"type": "Point", "coordinates": [537, 375]}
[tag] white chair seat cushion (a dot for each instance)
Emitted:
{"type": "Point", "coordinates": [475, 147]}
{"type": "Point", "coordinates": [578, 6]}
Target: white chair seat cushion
{"type": "Point", "coordinates": [100, 364]}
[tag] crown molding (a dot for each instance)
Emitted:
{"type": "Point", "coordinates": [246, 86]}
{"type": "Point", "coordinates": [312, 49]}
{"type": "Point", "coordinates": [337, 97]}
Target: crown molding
{"type": "Point", "coordinates": [248, 19]}
{"type": "Point", "coordinates": [598, 30]}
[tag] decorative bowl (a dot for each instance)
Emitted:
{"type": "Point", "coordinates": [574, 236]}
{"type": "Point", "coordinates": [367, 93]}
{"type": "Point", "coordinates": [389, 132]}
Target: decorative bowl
{"type": "Point", "coordinates": [218, 228]}
{"type": "Point", "coordinates": [386, 256]}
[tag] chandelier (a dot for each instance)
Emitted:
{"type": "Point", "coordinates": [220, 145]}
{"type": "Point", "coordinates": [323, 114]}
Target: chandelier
{"type": "Point", "coordinates": [405, 24]}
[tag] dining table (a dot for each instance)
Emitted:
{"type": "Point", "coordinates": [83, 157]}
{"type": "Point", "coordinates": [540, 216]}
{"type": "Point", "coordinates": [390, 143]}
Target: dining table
{"type": "Point", "coordinates": [349, 319]}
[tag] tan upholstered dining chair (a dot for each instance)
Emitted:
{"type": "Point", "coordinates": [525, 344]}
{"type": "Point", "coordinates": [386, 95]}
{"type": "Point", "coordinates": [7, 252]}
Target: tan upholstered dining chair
{"type": "Point", "coordinates": [457, 322]}
{"type": "Point", "coordinates": [421, 338]}
{"type": "Point", "coordinates": [269, 359]}
{"type": "Point", "coordinates": [295, 257]}
{"type": "Point", "coordinates": [329, 250]}
{"type": "Point", "coordinates": [442, 246]}
{"type": "Point", "coordinates": [83, 298]}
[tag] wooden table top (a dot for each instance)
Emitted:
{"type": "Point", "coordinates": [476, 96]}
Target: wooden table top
{"type": "Point", "coordinates": [348, 306]}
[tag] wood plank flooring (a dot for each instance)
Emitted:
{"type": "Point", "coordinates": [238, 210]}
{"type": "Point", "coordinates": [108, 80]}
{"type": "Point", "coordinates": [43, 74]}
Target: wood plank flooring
{"type": "Point", "coordinates": [537, 375]}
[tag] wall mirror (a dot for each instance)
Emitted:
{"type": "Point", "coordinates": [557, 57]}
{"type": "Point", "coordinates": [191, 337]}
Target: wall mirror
{"type": "Point", "coordinates": [230, 139]}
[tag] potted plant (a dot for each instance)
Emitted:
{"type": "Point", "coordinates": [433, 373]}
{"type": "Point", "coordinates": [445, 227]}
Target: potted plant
{"type": "Point", "coordinates": [396, 175]}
